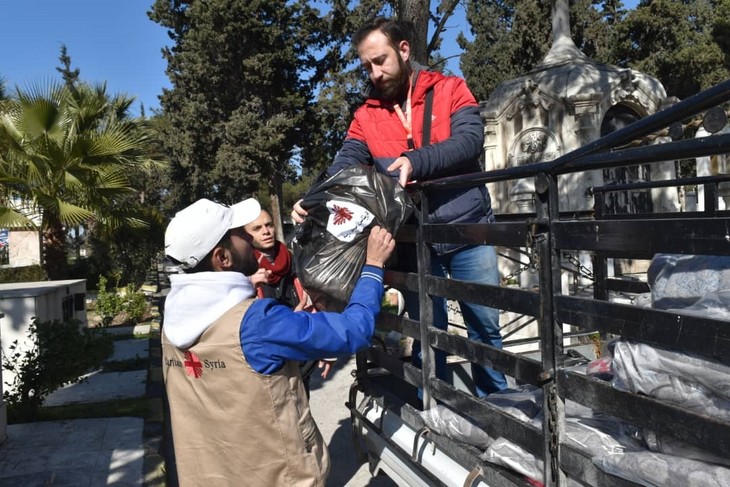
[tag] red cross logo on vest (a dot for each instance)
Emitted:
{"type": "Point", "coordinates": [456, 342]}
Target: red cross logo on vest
{"type": "Point", "coordinates": [193, 366]}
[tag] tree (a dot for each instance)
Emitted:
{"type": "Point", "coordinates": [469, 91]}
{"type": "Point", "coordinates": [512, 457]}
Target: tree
{"type": "Point", "coordinates": [70, 76]}
{"type": "Point", "coordinates": [673, 40]}
{"type": "Point", "coordinates": [238, 103]}
{"type": "Point", "coordinates": [511, 37]}
{"type": "Point", "coordinates": [67, 155]}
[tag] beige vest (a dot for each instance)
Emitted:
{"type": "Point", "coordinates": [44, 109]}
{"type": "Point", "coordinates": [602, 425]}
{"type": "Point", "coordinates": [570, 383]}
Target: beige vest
{"type": "Point", "coordinates": [233, 426]}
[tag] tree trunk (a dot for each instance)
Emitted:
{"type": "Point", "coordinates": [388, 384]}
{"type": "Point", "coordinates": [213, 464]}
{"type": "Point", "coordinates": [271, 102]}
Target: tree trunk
{"type": "Point", "coordinates": [275, 192]}
{"type": "Point", "coordinates": [55, 259]}
{"type": "Point", "coordinates": [416, 12]}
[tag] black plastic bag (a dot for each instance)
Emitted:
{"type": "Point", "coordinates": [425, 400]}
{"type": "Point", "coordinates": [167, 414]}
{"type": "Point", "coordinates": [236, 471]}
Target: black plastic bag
{"type": "Point", "coordinates": [329, 247]}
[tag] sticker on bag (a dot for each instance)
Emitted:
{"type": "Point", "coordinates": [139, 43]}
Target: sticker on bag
{"type": "Point", "coordinates": [347, 220]}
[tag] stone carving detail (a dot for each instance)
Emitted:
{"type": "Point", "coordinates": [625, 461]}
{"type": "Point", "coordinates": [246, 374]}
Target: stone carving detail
{"type": "Point", "coordinates": [528, 99]}
{"type": "Point", "coordinates": [534, 145]}
{"type": "Point", "coordinates": [627, 91]}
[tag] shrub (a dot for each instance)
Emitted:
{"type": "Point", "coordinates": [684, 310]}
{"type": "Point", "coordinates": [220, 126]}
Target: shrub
{"type": "Point", "coordinates": [30, 273]}
{"type": "Point", "coordinates": [109, 305]}
{"type": "Point", "coordinates": [61, 353]}
{"type": "Point", "coordinates": [135, 305]}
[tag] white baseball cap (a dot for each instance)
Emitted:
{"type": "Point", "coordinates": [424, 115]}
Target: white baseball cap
{"type": "Point", "coordinates": [194, 231]}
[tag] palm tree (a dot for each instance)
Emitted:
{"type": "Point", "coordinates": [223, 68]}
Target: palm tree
{"type": "Point", "coordinates": [66, 154]}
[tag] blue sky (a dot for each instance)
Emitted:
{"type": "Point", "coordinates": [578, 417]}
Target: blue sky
{"type": "Point", "coordinates": [108, 40]}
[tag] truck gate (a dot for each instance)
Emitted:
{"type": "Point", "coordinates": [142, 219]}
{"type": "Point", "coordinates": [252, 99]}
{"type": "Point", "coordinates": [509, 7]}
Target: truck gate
{"type": "Point", "coordinates": [384, 397]}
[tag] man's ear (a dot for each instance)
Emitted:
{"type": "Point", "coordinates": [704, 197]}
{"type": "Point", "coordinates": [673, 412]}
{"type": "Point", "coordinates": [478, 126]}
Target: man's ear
{"type": "Point", "coordinates": [404, 49]}
{"type": "Point", "coordinates": [222, 260]}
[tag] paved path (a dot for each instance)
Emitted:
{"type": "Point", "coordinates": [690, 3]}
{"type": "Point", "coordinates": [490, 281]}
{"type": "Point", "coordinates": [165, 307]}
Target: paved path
{"type": "Point", "coordinates": [85, 452]}
{"type": "Point", "coordinates": [81, 452]}
{"type": "Point", "coordinates": [116, 451]}
{"type": "Point", "coordinates": [328, 397]}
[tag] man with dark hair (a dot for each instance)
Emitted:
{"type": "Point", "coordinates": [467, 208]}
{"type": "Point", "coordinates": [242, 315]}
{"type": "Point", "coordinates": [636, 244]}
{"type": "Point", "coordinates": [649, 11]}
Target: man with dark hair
{"type": "Point", "coordinates": [275, 279]}
{"type": "Point", "coordinates": [238, 409]}
{"type": "Point", "coordinates": [403, 102]}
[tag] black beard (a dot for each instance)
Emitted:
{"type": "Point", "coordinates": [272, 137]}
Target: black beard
{"type": "Point", "coordinates": [397, 87]}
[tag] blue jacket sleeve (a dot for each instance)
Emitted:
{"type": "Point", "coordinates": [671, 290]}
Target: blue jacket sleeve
{"type": "Point", "coordinates": [352, 152]}
{"type": "Point", "coordinates": [272, 333]}
{"type": "Point", "coordinates": [455, 155]}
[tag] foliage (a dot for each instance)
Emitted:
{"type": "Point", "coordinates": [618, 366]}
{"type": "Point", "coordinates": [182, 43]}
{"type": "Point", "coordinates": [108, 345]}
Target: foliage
{"type": "Point", "coordinates": [59, 354]}
{"type": "Point", "coordinates": [111, 304]}
{"type": "Point", "coordinates": [125, 252]}
{"type": "Point", "coordinates": [242, 116]}
{"type": "Point", "coordinates": [673, 41]}
{"type": "Point", "coordinates": [66, 153]}
{"type": "Point", "coordinates": [29, 273]}
{"type": "Point", "coordinates": [108, 304]}
{"type": "Point", "coordinates": [238, 102]}
{"type": "Point", "coordinates": [511, 37]}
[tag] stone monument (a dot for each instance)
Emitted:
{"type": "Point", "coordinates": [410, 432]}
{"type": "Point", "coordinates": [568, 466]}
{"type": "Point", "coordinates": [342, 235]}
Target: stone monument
{"type": "Point", "coordinates": [567, 101]}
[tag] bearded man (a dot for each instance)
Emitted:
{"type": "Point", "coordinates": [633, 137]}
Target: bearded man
{"type": "Point", "coordinates": [420, 125]}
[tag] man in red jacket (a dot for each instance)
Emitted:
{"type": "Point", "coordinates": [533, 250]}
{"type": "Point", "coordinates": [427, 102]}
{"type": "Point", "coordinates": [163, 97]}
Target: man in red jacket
{"type": "Point", "coordinates": [388, 132]}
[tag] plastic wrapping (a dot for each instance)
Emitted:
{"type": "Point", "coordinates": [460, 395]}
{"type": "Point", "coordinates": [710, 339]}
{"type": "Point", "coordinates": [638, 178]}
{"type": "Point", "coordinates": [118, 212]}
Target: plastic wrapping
{"type": "Point", "coordinates": [603, 435]}
{"type": "Point", "coordinates": [678, 281]}
{"type": "Point", "coordinates": [523, 402]}
{"type": "Point", "coordinates": [672, 446]}
{"type": "Point", "coordinates": [330, 246]}
{"type": "Point", "coordinates": [446, 422]}
{"type": "Point", "coordinates": [505, 453]}
{"type": "Point", "coordinates": [713, 305]}
{"type": "Point", "coordinates": [686, 380]}
{"type": "Point", "coordinates": [659, 470]}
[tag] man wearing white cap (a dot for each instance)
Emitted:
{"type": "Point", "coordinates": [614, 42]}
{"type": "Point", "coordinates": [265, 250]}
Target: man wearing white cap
{"type": "Point", "coordinates": [238, 409]}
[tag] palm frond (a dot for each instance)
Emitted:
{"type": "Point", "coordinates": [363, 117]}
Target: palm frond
{"type": "Point", "coordinates": [71, 214]}
{"type": "Point", "coordinates": [12, 218]}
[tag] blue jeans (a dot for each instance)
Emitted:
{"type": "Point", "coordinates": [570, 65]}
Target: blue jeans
{"type": "Point", "coordinates": [477, 263]}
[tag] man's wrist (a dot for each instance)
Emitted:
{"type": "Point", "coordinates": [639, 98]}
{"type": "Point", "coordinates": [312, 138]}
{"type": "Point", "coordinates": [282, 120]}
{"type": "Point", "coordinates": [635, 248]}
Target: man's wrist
{"type": "Point", "coordinates": [374, 262]}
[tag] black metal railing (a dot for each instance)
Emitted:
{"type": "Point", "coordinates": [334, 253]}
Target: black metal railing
{"type": "Point", "coordinates": [547, 234]}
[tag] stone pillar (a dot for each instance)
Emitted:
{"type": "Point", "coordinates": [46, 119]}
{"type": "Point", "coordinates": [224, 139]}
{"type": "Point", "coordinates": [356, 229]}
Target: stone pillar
{"type": "Point", "coordinates": [3, 409]}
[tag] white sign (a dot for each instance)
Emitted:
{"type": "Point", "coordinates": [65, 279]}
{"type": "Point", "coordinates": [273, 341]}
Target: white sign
{"type": "Point", "coordinates": [347, 220]}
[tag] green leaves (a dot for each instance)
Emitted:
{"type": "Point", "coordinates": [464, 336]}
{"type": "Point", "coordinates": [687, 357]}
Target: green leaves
{"type": "Point", "coordinates": [69, 152]}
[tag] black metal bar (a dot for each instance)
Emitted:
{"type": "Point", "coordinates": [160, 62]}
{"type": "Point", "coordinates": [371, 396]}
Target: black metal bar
{"type": "Point", "coordinates": [502, 234]}
{"type": "Point", "coordinates": [402, 370]}
{"type": "Point", "coordinates": [521, 368]}
{"type": "Point", "coordinates": [694, 334]}
{"type": "Point", "coordinates": [517, 300]}
{"type": "Point", "coordinates": [705, 432]}
{"type": "Point", "coordinates": [683, 149]}
{"type": "Point", "coordinates": [578, 465]}
{"type": "Point", "coordinates": [624, 285]}
{"type": "Point", "coordinates": [661, 184]}
{"type": "Point", "coordinates": [428, 365]}
{"type": "Point", "coordinates": [644, 238]}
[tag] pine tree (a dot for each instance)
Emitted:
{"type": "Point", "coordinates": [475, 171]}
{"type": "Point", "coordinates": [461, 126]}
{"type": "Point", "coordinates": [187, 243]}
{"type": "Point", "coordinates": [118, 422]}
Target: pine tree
{"type": "Point", "coordinates": [673, 40]}
{"type": "Point", "coordinates": [238, 102]}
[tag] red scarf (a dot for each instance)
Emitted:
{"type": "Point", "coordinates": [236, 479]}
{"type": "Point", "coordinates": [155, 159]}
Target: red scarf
{"type": "Point", "coordinates": [281, 265]}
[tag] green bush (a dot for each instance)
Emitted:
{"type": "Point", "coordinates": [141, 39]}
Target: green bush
{"type": "Point", "coordinates": [110, 304]}
{"type": "Point", "coordinates": [30, 273]}
{"type": "Point", "coordinates": [135, 305]}
{"type": "Point", "coordinates": [61, 353]}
